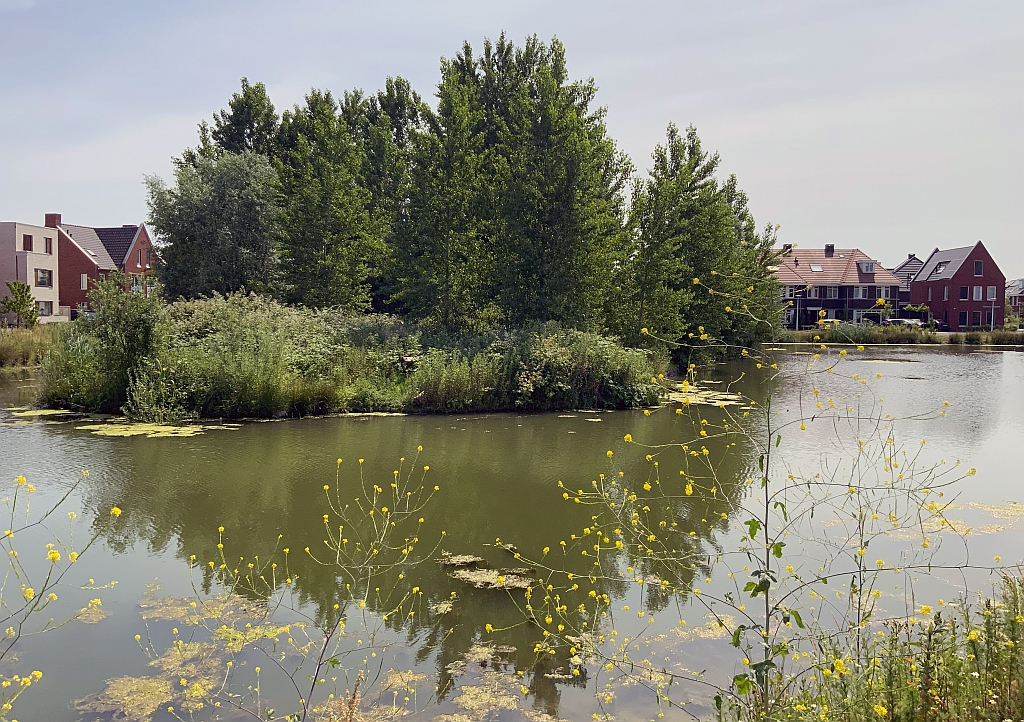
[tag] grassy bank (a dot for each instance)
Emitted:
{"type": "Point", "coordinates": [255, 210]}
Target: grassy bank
{"type": "Point", "coordinates": [23, 347]}
{"type": "Point", "coordinates": [247, 356]}
{"type": "Point", "coordinates": [900, 335]}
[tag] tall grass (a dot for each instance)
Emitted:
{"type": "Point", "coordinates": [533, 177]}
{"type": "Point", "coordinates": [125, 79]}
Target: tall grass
{"type": "Point", "coordinates": [24, 347]}
{"type": "Point", "coordinates": [848, 333]}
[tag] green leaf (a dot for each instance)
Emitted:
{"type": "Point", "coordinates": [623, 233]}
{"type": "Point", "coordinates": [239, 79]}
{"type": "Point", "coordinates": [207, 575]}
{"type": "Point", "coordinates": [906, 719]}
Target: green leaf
{"type": "Point", "coordinates": [777, 549]}
{"type": "Point", "coordinates": [743, 684]}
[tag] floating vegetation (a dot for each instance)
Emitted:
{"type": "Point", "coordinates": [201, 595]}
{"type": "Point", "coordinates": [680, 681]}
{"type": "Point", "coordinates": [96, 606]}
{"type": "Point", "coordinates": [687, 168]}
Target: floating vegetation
{"type": "Point", "coordinates": [493, 578]}
{"type": "Point", "coordinates": [598, 421]}
{"type": "Point", "coordinates": [687, 393]}
{"type": "Point", "coordinates": [92, 614]}
{"type": "Point", "coordinates": [226, 607]}
{"type": "Point", "coordinates": [150, 431]}
{"type": "Point", "coordinates": [38, 413]}
{"type": "Point", "coordinates": [459, 560]}
{"type": "Point", "coordinates": [134, 699]}
{"type": "Point", "coordinates": [237, 639]}
{"type": "Point", "coordinates": [716, 627]}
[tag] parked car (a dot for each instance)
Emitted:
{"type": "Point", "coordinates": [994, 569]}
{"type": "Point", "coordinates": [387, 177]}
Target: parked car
{"type": "Point", "coordinates": [940, 325]}
{"type": "Point", "coordinates": [912, 322]}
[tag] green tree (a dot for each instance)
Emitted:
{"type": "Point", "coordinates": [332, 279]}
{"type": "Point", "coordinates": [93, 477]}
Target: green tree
{"type": "Point", "coordinates": [219, 226]}
{"type": "Point", "coordinates": [20, 303]}
{"type": "Point", "coordinates": [685, 226]}
{"type": "Point", "coordinates": [330, 235]}
{"type": "Point", "coordinates": [249, 124]}
{"type": "Point", "coordinates": [560, 182]}
{"type": "Point", "coordinates": [129, 329]}
{"type": "Point", "coordinates": [441, 262]}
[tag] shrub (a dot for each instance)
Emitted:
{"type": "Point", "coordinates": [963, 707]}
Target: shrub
{"type": "Point", "coordinates": [1006, 338]}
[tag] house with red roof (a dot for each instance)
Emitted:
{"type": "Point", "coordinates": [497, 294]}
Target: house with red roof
{"type": "Point", "coordinates": [962, 287]}
{"type": "Point", "coordinates": [846, 284]}
{"type": "Point", "coordinates": [89, 254]}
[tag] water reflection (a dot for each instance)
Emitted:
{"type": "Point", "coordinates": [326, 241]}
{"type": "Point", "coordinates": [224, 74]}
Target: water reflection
{"type": "Point", "coordinates": [498, 478]}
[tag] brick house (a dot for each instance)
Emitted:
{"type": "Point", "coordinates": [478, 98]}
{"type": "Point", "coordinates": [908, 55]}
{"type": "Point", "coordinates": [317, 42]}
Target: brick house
{"type": "Point", "coordinates": [88, 254]}
{"type": "Point", "coordinates": [961, 286]}
{"type": "Point", "coordinates": [844, 283]}
{"type": "Point", "coordinates": [31, 254]}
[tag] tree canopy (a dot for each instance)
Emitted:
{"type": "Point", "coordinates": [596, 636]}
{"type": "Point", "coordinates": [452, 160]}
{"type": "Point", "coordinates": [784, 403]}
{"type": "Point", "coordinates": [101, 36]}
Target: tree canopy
{"type": "Point", "coordinates": [503, 203]}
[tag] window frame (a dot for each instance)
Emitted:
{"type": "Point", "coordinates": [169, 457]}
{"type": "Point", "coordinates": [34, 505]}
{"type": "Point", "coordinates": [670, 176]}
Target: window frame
{"type": "Point", "coordinates": [965, 293]}
{"type": "Point", "coordinates": [978, 293]}
{"type": "Point", "coordinates": [41, 273]}
{"type": "Point", "coordinates": [945, 293]}
{"type": "Point", "coordinates": [979, 268]}
{"type": "Point", "coordinates": [44, 308]}
{"type": "Point", "coordinates": [48, 246]}
{"type": "Point", "coordinates": [84, 281]}
{"type": "Point", "coordinates": [991, 294]}
{"type": "Point", "coordinates": [27, 243]}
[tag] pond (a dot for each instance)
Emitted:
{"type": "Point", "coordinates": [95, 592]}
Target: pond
{"type": "Point", "coordinates": [497, 478]}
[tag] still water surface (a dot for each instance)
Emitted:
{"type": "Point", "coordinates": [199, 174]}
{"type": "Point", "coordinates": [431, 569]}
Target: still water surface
{"type": "Point", "coordinates": [498, 476]}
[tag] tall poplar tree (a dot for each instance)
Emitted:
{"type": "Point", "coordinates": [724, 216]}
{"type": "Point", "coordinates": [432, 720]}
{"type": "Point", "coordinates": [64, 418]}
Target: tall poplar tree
{"type": "Point", "coordinates": [330, 235]}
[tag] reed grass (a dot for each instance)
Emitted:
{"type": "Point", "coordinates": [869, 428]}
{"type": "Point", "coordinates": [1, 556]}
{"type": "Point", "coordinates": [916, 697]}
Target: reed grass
{"type": "Point", "coordinates": [24, 347]}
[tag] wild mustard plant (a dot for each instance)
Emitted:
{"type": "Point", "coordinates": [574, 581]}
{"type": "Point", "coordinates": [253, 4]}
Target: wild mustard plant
{"type": "Point", "coordinates": [257, 628]}
{"type": "Point", "coordinates": [28, 591]}
{"type": "Point", "coordinates": [804, 623]}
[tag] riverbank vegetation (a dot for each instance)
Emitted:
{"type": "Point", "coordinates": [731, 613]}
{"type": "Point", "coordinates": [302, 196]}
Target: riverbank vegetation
{"type": "Point", "coordinates": [250, 356]}
{"type": "Point", "coordinates": [850, 334]}
{"type": "Point", "coordinates": [23, 347]}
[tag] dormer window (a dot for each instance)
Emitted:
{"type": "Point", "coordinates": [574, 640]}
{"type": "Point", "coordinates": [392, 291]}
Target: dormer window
{"type": "Point", "coordinates": [866, 266]}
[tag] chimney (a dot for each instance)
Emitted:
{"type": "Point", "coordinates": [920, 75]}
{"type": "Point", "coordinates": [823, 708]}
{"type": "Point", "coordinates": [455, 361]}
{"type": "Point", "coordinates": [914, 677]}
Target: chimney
{"type": "Point", "coordinates": [52, 220]}
{"type": "Point", "coordinates": [909, 256]}
{"type": "Point", "coordinates": [786, 248]}
{"type": "Point", "coordinates": [830, 250]}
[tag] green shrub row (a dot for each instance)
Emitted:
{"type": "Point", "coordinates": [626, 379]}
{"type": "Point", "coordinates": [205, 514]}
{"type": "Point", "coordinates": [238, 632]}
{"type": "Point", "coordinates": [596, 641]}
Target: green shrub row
{"type": "Point", "coordinates": [249, 356]}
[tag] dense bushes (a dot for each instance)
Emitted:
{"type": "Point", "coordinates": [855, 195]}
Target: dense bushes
{"type": "Point", "coordinates": [249, 356]}
{"type": "Point", "coordinates": [849, 333]}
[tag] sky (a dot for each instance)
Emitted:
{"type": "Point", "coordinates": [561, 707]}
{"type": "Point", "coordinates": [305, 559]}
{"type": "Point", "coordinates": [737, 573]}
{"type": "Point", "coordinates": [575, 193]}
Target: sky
{"type": "Point", "coordinates": [893, 127]}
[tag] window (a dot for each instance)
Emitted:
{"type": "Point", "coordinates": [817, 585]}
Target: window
{"type": "Point", "coordinates": [136, 283]}
{"type": "Point", "coordinates": [45, 308]}
{"type": "Point", "coordinates": [48, 244]}
{"type": "Point", "coordinates": [945, 293]}
{"type": "Point", "coordinates": [990, 294]}
{"type": "Point", "coordinates": [929, 293]}
{"type": "Point", "coordinates": [976, 318]}
{"type": "Point", "coordinates": [26, 242]}
{"type": "Point", "coordinates": [963, 318]}
{"type": "Point", "coordinates": [44, 278]}
{"type": "Point", "coordinates": [988, 318]}
{"type": "Point", "coordinates": [140, 258]}
{"type": "Point", "coordinates": [866, 266]}
{"type": "Point", "coordinates": [84, 279]}
{"type": "Point", "coordinates": [828, 291]}
{"type": "Point", "coordinates": [979, 268]}
{"type": "Point", "coordinates": [816, 268]}
{"type": "Point", "coordinates": [977, 293]}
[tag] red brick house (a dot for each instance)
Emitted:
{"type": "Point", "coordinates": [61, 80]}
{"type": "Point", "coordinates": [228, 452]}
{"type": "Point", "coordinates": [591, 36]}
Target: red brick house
{"type": "Point", "coordinates": [961, 286]}
{"type": "Point", "coordinates": [844, 283]}
{"type": "Point", "coordinates": [88, 254]}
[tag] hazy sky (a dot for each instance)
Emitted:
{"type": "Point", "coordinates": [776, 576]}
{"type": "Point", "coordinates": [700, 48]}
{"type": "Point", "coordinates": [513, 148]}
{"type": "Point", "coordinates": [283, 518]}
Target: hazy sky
{"type": "Point", "coordinates": [894, 127]}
